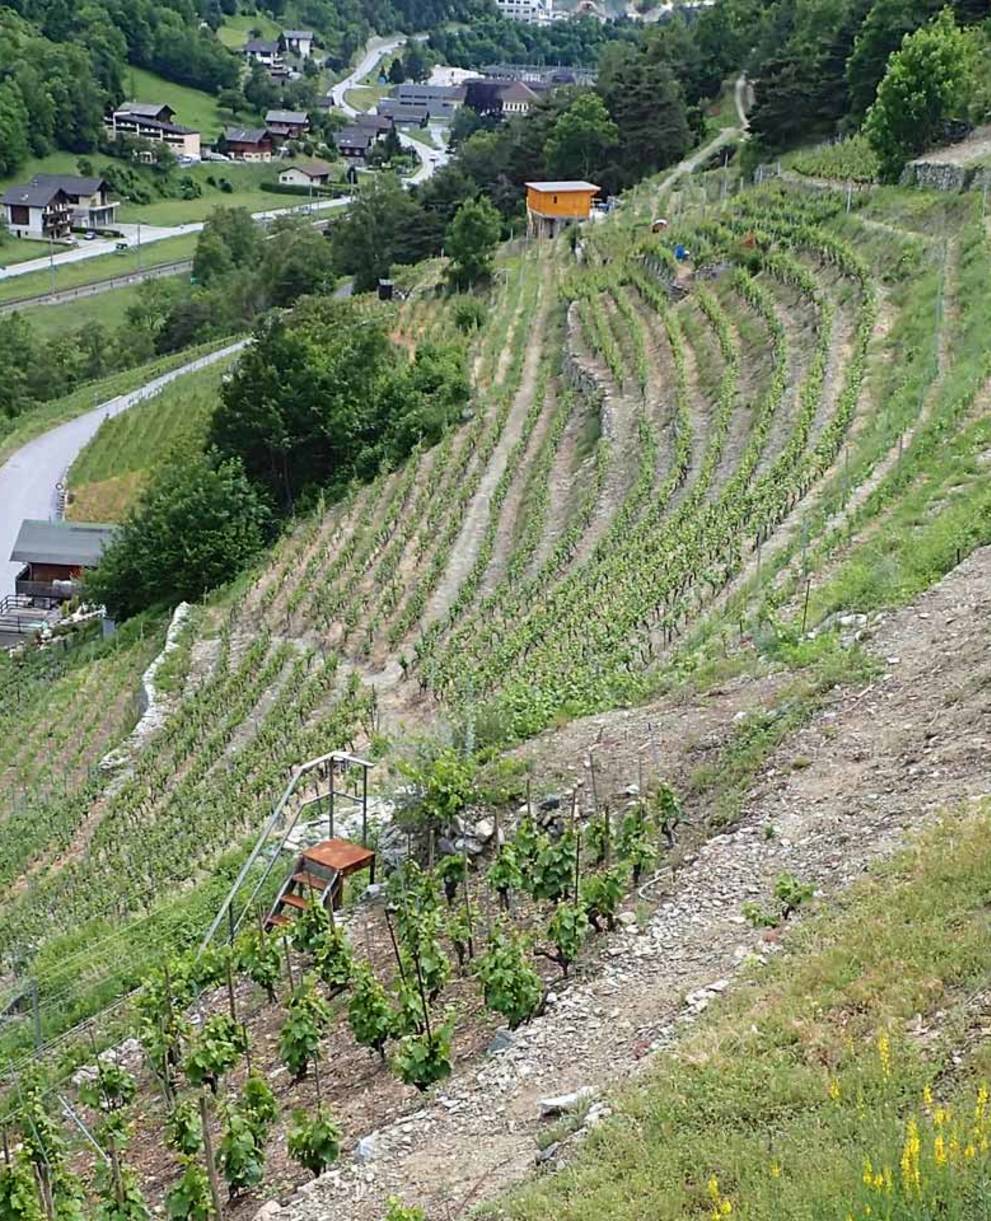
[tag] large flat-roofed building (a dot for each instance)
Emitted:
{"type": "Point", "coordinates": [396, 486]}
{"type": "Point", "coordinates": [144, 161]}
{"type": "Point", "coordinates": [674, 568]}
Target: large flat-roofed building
{"type": "Point", "coordinates": [552, 205]}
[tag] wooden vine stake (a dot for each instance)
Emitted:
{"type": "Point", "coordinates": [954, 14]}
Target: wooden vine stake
{"type": "Point", "coordinates": [211, 1164]}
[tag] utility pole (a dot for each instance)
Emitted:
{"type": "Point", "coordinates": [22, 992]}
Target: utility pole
{"type": "Point", "coordinates": [139, 247]}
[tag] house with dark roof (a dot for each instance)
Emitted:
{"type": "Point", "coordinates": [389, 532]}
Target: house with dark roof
{"type": "Point", "coordinates": [297, 42]}
{"type": "Point", "coordinates": [38, 210]}
{"type": "Point", "coordinates": [55, 554]}
{"type": "Point", "coordinates": [353, 143]}
{"type": "Point", "coordinates": [247, 143]}
{"type": "Point", "coordinates": [154, 121]}
{"type": "Point", "coordinates": [378, 123]}
{"type": "Point", "coordinates": [287, 124]}
{"type": "Point", "coordinates": [264, 51]}
{"type": "Point", "coordinates": [92, 207]}
{"type": "Point", "coordinates": [403, 115]}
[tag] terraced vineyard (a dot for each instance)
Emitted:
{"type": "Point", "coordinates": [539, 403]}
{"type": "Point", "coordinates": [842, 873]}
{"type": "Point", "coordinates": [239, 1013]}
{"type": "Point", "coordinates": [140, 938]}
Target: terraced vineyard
{"type": "Point", "coordinates": [666, 432]}
{"type": "Point", "coordinates": [665, 462]}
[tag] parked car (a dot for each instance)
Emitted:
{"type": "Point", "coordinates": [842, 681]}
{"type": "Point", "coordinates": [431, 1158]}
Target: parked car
{"type": "Point", "coordinates": [90, 235]}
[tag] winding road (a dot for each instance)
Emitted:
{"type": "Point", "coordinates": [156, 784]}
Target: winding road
{"type": "Point", "coordinates": [29, 478]}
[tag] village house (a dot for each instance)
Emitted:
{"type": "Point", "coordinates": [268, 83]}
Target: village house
{"type": "Point", "coordinates": [529, 12]}
{"type": "Point", "coordinates": [55, 554]}
{"type": "Point", "coordinates": [264, 51]}
{"type": "Point", "coordinates": [287, 124]}
{"type": "Point", "coordinates": [378, 123]}
{"type": "Point", "coordinates": [516, 98]}
{"type": "Point", "coordinates": [247, 143]}
{"type": "Point", "coordinates": [440, 101]}
{"type": "Point", "coordinates": [154, 121]}
{"type": "Point", "coordinates": [92, 207]}
{"type": "Point", "coordinates": [552, 205]}
{"type": "Point", "coordinates": [306, 174]}
{"type": "Point", "coordinates": [353, 143]}
{"type": "Point", "coordinates": [401, 114]}
{"type": "Point", "coordinates": [297, 42]}
{"type": "Point", "coordinates": [41, 211]}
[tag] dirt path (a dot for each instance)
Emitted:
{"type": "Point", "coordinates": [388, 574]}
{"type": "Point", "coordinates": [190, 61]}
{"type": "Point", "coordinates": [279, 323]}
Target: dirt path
{"type": "Point", "coordinates": [878, 762]}
{"type": "Point", "coordinates": [476, 515]}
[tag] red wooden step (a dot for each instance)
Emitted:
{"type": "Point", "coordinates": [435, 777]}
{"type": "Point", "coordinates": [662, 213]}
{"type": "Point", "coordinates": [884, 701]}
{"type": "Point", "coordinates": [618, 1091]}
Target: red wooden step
{"type": "Point", "coordinates": [295, 901]}
{"type": "Point", "coordinates": [311, 880]}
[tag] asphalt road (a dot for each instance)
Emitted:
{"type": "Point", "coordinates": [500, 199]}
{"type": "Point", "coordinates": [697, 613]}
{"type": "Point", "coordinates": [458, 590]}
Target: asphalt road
{"type": "Point", "coordinates": [29, 477]}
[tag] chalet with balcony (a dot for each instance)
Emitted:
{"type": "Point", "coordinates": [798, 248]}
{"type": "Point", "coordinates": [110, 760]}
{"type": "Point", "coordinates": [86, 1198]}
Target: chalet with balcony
{"type": "Point", "coordinates": [247, 143]}
{"type": "Point", "coordinates": [154, 121]}
{"type": "Point", "coordinates": [42, 211]}
{"type": "Point", "coordinates": [287, 124]}
{"type": "Point", "coordinates": [354, 143]}
{"type": "Point", "coordinates": [55, 555]}
{"type": "Point", "coordinates": [92, 207]}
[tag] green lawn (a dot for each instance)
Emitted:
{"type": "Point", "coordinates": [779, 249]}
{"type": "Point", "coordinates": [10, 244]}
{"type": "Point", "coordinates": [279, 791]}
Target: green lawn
{"type": "Point", "coordinates": [236, 30]}
{"type": "Point", "coordinates": [109, 309]}
{"type": "Point", "coordinates": [21, 249]}
{"type": "Point", "coordinates": [72, 275]}
{"type": "Point", "coordinates": [193, 107]}
{"type": "Point", "coordinates": [422, 136]}
{"type": "Point", "coordinates": [364, 97]}
{"type": "Point", "coordinates": [247, 193]}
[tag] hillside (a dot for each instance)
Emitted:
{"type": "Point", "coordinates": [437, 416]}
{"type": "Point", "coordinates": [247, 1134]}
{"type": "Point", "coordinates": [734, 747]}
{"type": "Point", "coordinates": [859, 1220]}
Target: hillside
{"type": "Point", "coordinates": [687, 529]}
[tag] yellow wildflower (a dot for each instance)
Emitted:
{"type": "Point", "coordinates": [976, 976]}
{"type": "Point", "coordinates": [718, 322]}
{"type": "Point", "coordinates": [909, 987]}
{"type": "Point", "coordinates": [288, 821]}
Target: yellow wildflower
{"type": "Point", "coordinates": [911, 1176]}
{"type": "Point", "coordinates": [833, 1089]}
{"type": "Point", "coordinates": [939, 1151]}
{"type": "Point", "coordinates": [868, 1172]}
{"type": "Point", "coordinates": [970, 1152]}
{"type": "Point", "coordinates": [775, 1170]}
{"type": "Point", "coordinates": [714, 1188]}
{"type": "Point", "coordinates": [726, 1208]}
{"type": "Point", "coordinates": [940, 1116]}
{"type": "Point", "coordinates": [927, 1096]}
{"type": "Point", "coordinates": [884, 1053]}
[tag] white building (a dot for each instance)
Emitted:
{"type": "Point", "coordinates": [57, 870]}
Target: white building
{"type": "Point", "coordinates": [530, 12]}
{"type": "Point", "coordinates": [298, 42]}
{"type": "Point", "coordinates": [154, 121]}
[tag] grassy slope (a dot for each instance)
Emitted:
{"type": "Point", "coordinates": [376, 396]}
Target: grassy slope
{"type": "Point", "coordinates": [247, 193]}
{"type": "Point", "coordinates": [109, 474]}
{"type": "Point", "coordinates": [17, 432]}
{"type": "Point", "coordinates": [782, 1093]}
{"type": "Point", "coordinates": [235, 31]}
{"type": "Point", "coordinates": [193, 107]}
{"type": "Point", "coordinates": [109, 309]}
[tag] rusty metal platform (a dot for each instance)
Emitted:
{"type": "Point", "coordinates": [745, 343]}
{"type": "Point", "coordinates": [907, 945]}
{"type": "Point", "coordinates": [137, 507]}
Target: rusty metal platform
{"type": "Point", "coordinates": [341, 855]}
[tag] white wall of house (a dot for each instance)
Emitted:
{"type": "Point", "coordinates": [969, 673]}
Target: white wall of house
{"type": "Point", "coordinates": [296, 178]}
{"type": "Point", "coordinates": [33, 228]}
